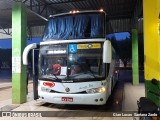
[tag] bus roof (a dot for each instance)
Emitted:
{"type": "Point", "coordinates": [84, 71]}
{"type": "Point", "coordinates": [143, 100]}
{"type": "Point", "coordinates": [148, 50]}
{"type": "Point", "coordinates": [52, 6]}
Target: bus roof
{"type": "Point", "coordinates": [77, 12]}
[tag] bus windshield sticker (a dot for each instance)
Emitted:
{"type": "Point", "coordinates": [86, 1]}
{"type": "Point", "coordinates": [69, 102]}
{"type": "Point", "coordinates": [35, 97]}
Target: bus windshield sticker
{"type": "Point", "coordinates": [63, 70]}
{"type": "Point", "coordinates": [89, 46]}
{"type": "Point", "coordinates": [72, 48]}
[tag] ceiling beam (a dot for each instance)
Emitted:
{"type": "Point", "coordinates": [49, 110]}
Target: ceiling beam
{"type": "Point", "coordinates": [114, 17]}
{"type": "Point", "coordinates": [37, 8]}
{"type": "Point", "coordinates": [62, 2]}
{"type": "Point", "coordinates": [138, 8]}
{"type": "Point", "coordinates": [137, 13]}
{"type": "Point", "coordinates": [24, 1]}
{"type": "Point", "coordinates": [6, 31]}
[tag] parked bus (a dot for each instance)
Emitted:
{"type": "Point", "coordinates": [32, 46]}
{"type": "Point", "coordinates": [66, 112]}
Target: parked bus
{"type": "Point", "coordinates": [76, 63]}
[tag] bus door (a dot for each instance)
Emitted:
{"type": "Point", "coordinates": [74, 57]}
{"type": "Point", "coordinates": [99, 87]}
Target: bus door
{"type": "Point", "coordinates": [35, 56]}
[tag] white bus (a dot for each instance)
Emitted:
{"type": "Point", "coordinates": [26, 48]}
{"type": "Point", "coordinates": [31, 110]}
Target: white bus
{"type": "Point", "coordinates": [76, 63]}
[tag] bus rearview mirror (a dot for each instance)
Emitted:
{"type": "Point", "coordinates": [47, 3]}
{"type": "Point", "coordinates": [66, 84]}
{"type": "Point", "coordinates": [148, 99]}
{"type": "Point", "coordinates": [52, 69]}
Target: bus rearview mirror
{"type": "Point", "coordinates": [107, 52]}
{"type": "Point", "coordinates": [26, 51]}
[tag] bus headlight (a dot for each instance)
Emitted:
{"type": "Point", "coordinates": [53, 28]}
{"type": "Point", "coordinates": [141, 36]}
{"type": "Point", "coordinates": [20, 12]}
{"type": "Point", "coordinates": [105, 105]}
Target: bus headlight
{"type": "Point", "coordinates": [96, 90]}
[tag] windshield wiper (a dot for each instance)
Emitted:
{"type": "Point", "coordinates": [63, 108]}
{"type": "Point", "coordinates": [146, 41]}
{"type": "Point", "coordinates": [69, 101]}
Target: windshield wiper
{"type": "Point", "coordinates": [91, 73]}
{"type": "Point", "coordinates": [88, 70]}
{"type": "Point", "coordinates": [49, 77]}
{"type": "Point", "coordinates": [56, 77]}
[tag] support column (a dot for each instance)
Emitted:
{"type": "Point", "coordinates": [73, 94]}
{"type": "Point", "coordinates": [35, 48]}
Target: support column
{"type": "Point", "coordinates": [135, 65]}
{"type": "Point", "coordinates": [19, 82]}
{"type": "Point", "coordinates": [151, 10]}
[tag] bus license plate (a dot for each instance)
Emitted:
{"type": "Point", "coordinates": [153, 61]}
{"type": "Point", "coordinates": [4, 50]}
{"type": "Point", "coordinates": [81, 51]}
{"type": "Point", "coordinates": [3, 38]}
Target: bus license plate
{"type": "Point", "coordinates": [67, 99]}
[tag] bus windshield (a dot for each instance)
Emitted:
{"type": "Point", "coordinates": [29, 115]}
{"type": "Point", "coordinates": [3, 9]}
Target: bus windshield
{"type": "Point", "coordinates": [72, 62]}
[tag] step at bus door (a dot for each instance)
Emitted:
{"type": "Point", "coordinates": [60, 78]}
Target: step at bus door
{"type": "Point", "coordinates": [35, 56]}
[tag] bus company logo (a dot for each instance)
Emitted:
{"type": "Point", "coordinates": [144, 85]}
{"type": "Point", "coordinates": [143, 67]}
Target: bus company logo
{"type": "Point", "coordinates": [89, 45]}
{"type": "Point", "coordinates": [49, 84]}
{"type": "Point", "coordinates": [67, 89]}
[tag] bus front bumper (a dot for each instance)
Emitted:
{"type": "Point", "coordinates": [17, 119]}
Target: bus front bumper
{"type": "Point", "coordinates": [86, 99]}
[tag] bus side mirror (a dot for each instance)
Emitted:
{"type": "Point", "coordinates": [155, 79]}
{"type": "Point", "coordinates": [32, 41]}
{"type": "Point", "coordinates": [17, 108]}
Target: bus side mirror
{"type": "Point", "coordinates": [107, 52]}
{"type": "Point", "coordinates": [26, 51]}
